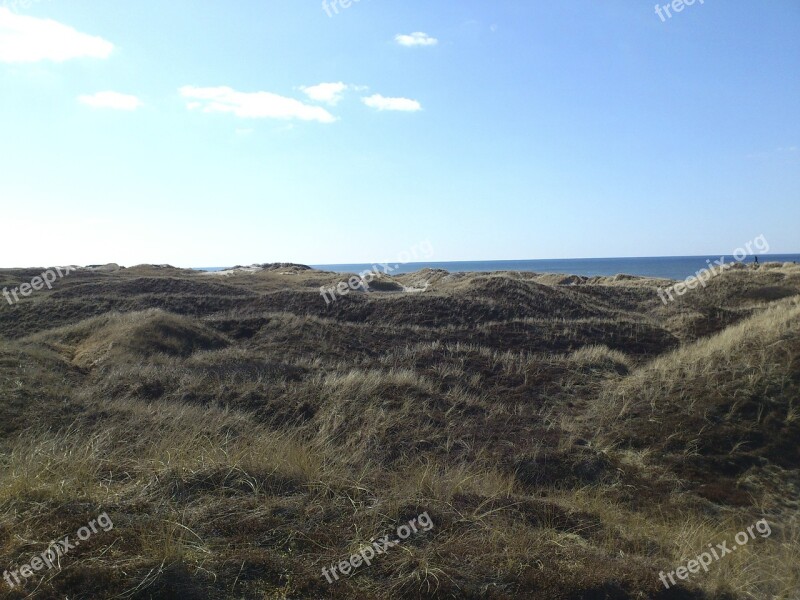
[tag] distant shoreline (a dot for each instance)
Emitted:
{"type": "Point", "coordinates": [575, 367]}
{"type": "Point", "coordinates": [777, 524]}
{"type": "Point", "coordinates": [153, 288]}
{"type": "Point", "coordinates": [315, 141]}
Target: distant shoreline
{"type": "Point", "coordinates": [667, 267]}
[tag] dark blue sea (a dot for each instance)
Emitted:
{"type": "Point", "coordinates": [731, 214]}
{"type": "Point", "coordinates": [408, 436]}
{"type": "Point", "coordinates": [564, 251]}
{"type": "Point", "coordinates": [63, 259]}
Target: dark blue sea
{"type": "Point", "coordinates": [669, 267]}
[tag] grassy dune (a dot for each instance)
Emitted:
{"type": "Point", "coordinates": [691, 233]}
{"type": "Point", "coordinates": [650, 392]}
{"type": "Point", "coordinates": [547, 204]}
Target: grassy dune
{"type": "Point", "coordinates": [570, 437]}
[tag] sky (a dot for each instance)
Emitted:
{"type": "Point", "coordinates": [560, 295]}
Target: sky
{"type": "Point", "coordinates": [200, 133]}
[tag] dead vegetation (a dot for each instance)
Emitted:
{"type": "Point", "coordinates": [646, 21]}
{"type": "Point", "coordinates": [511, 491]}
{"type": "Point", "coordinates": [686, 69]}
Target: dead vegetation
{"type": "Point", "coordinates": [569, 437]}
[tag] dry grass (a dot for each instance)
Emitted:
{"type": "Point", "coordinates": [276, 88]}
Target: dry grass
{"type": "Point", "coordinates": [569, 437]}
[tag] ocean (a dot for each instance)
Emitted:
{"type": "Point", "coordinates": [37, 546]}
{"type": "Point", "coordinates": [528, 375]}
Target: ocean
{"type": "Point", "coordinates": [669, 267]}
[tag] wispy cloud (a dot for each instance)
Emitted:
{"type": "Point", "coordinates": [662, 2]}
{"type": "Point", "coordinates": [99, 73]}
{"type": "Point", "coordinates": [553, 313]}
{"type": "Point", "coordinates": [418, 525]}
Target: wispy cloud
{"type": "Point", "coordinates": [252, 105]}
{"type": "Point", "coordinates": [330, 93]}
{"type": "Point", "coordinates": [383, 103]}
{"type": "Point", "coordinates": [25, 39]}
{"type": "Point", "coordinates": [416, 39]}
{"type": "Point", "coordinates": [113, 100]}
{"type": "Point", "coordinates": [783, 152]}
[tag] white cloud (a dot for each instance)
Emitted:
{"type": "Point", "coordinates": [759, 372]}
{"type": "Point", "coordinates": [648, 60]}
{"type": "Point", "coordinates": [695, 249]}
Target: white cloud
{"type": "Point", "coordinates": [25, 39]}
{"type": "Point", "coordinates": [255, 105]}
{"type": "Point", "coordinates": [416, 39]}
{"type": "Point", "coordinates": [330, 93]}
{"type": "Point", "coordinates": [383, 103]}
{"type": "Point", "coordinates": [113, 100]}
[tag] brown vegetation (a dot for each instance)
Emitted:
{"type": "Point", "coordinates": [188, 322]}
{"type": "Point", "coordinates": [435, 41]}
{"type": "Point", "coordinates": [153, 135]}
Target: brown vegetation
{"type": "Point", "coordinates": [570, 437]}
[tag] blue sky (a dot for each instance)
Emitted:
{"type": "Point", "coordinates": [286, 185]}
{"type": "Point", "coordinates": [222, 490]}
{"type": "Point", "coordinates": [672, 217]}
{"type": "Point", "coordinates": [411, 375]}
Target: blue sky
{"type": "Point", "coordinates": [199, 134]}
